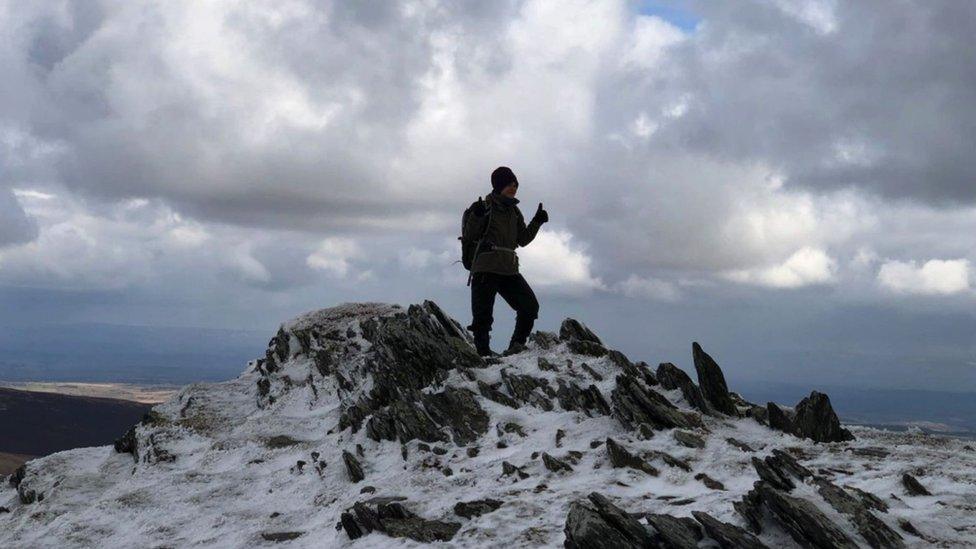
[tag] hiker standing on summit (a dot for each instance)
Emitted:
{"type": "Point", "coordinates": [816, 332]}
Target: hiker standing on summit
{"type": "Point", "coordinates": [499, 227]}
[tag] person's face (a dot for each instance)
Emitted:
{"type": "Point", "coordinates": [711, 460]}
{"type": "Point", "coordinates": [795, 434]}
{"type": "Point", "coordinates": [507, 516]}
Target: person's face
{"type": "Point", "coordinates": [510, 190]}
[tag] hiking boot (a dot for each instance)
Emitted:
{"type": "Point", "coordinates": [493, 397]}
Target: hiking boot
{"type": "Point", "coordinates": [481, 344]}
{"type": "Point", "coordinates": [515, 348]}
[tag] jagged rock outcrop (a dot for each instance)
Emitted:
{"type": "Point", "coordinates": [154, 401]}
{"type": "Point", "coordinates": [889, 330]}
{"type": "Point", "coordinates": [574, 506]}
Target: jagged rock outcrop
{"type": "Point", "coordinates": [408, 352]}
{"type": "Point", "coordinates": [510, 469]}
{"type": "Point", "coordinates": [528, 389]}
{"type": "Point", "coordinates": [620, 457]}
{"type": "Point", "coordinates": [396, 398]}
{"type": "Point", "coordinates": [589, 400]}
{"type": "Point", "coordinates": [780, 473]}
{"type": "Point", "coordinates": [739, 444]}
{"type": "Point", "coordinates": [25, 494]}
{"type": "Point", "coordinates": [815, 419]}
{"type": "Point", "coordinates": [689, 439]}
{"type": "Point", "coordinates": [573, 329]}
{"type": "Point", "coordinates": [778, 419]}
{"type": "Point", "coordinates": [476, 508]}
{"type": "Point", "coordinates": [491, 392]}
{"type": "Point", "coordinates": [779, 470]}
{"type": "Point", "coordinates": [639, 370]}
{"type": "Point", "coordinates": [727, 535]}
{"type": "Point", "coordinates": [712, 382]}
{"type": "Point", "coordinates": [394, 520]}
{"type": "Point", "coordinates": [544, 340]}
{"type": "Point", "coordinates": [17, 476]}
{"type": "Point", "coordinates": [709, 481]}
{"type": "Point", "coordinates": [635, 405]}
{"type": "Point", "coordinates": [672, 377]}
{"type": "Point", "coordinates": [353, 467]}
{"type": "Point", "coordinates": [675, 532]}
{"type": "Point", "coordinates": [603, 525]}
{"type": "Point", "coordinates": [580, 339]}
{"type": "Point", "coordinates": [555, 464]}
{"type": "Point", "coordinates": [278, 537]}
{"type": "Point", "coordinates": [878, 534]}
{"type": "Point", "coordinates": [804, 522]}
{"type": "Point", "coordinates": [913, 486]}
{"type": "Point", "coordinates": [127, 444]}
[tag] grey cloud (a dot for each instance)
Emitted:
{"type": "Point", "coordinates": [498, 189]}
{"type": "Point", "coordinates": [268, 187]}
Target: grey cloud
{"type": "Point", "coordinates": [763, 91]}
{"type": "Point", "coordinates": [883, 103]}
{"type": "Point", "coordinates": [141, 118]}
{"type": "Point", "coordinates": [16, 226]}
{"type": "Point", "coordinates": [56, 34]}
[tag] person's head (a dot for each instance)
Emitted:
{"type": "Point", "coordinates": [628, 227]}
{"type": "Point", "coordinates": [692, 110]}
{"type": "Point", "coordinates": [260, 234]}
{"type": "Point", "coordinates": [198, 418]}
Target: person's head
{"type": "Point", "coordinates": [503, 182]}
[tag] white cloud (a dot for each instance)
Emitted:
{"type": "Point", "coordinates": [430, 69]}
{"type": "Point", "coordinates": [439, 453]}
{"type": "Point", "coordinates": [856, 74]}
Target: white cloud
{"type": "Point", "coordinates": [417, 259]}
{"type": "Point", "coordinates": [552, 261]}
{"type": "Point", "coordinates": [865, 259]}
{"type": "Point", "coordinates": [648, 288]}
{"type": "Point", "coordinates": [643, 127]}
{"type": "Point", "coordinates": [808, 266]}
{"type": "Point", "coordinates": [334, 255]}
{"type": "Point", "coordinates": [818, 14]}
{"type": "Point", "coordinates": [936, 276]}
{"type": "Point", "coordinates": [188, 236]}
{"type": "Point", "coordinates": [768, 222]}
{"type": "Point", "coordinates": [76, 249]}
{"type": "Point", "coordinates": [247, 266]}
{"type": "Point", "coordinates": [275, 116]}
{"type": "Point", "coordinates": [131, 243]}
{"type": "Point", "coordinates": [649, 40]}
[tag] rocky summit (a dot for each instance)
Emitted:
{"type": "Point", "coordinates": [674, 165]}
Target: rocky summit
{"type": "Point", "coordinates": [373, 425]}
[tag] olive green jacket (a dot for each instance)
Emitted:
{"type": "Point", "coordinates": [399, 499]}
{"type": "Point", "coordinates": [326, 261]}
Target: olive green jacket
{"type": "Point", "coordinates": [507, 230]}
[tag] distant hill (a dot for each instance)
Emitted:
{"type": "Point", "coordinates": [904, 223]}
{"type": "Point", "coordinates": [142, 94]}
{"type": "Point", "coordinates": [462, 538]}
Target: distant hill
{"type": "Point", "coordinates": [104, 353]}
{"type": "Point", "coordinates": [38, 424]}
{"type": "Point", "coordinates": [10, 462]}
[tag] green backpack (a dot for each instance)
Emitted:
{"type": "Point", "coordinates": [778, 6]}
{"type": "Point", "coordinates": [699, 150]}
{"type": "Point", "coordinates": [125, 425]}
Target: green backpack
{"type": "Point", "coordinates": [471, 243]}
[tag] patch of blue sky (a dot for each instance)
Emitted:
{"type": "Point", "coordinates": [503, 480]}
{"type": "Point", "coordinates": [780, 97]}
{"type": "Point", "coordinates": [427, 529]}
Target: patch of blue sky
{"type": "Point", "coordinates": [672, 11]}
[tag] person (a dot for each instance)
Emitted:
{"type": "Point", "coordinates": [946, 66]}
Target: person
{"type": "Point", "coordinates": [495, 267]}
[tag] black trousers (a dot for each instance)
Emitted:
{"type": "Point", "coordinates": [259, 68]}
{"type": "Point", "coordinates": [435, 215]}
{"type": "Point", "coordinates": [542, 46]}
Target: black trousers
{"type": "Point", "coordinates": [515, 291]}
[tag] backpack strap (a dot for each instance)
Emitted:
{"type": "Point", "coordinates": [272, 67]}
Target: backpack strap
{"type": "Point", "coordinates": [481, 240]}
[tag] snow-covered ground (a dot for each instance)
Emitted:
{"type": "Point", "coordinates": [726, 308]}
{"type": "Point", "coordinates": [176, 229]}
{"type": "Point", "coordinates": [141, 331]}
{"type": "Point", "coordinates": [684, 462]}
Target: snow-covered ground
{"type": "Point", "coordinates": [211, 471]}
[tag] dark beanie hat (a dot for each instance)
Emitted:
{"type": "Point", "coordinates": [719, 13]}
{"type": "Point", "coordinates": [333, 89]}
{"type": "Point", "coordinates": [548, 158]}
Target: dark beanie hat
{"type": "Point", "coordinates": [501, 177]}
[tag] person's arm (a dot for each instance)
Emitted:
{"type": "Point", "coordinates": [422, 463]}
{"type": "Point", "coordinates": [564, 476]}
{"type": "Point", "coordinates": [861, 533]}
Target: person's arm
{"type": "Point", "coordinates": [526, 233]}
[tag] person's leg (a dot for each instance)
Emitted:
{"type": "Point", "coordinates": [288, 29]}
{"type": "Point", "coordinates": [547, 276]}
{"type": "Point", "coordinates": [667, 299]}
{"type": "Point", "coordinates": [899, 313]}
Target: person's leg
{"type": "Point", "coordinates": [519, 295]}
{"type": "Point", "coordinates": [483, 289]}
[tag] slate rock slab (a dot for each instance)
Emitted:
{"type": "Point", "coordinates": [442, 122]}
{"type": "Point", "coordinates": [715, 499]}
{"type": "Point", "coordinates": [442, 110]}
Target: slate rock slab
{"type": "Point", "coordinates": [815, 419]}
{"type": "Point", "coordinates": [712, 382]}
{"type": "Point", "coordinates": [603, 525]}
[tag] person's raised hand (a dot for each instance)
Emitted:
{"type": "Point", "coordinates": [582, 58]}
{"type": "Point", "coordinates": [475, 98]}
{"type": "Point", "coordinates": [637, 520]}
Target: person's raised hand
{"type": "Point", "coordinates": [541, 215]}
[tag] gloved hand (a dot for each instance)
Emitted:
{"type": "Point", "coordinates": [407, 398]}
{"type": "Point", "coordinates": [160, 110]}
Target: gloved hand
{"type": "Point", "coordinates": [480, 209]}
{"type": "Point", "coordinates": [541, 215]}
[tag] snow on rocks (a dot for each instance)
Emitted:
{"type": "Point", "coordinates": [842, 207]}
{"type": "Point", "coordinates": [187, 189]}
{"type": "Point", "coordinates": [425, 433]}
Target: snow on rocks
{"type": "Point", "coordinates": [672, 377]}
{"type": "Point", "coordinates": [374, 425]}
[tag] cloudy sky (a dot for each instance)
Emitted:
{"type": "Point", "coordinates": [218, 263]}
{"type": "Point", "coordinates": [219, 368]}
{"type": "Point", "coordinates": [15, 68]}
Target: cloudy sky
{"type": "Point", "coordinates": [790, 182]}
